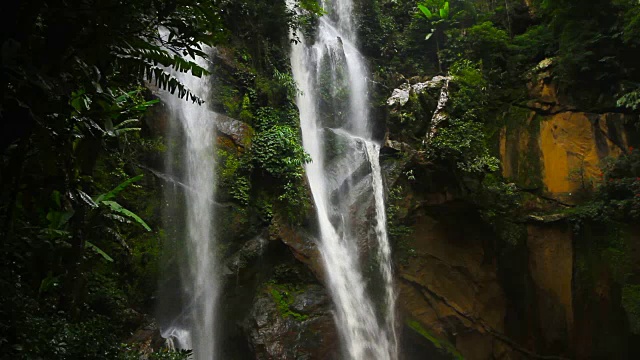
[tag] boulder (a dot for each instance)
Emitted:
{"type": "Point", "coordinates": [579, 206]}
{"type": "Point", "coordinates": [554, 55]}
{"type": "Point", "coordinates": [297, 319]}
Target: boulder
{"type": "Point", "coordinates": [290, 323]}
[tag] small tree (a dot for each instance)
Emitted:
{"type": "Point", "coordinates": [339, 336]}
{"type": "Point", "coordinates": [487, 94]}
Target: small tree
{"type": "Point", "coordinates": [437, 13]}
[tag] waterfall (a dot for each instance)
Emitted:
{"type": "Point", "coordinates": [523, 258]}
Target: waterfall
{"type": "Point", "coordinates": [384, 248]}
{"type": "Point", "coordinates": [334, 113]}
{"type": "Point", "coordinates": [190, 158]}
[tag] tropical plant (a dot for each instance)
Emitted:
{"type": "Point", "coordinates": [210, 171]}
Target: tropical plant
{"type": "Point", "coordinates": [437, 12]}
{"type": "Point", "coordinates": [279, 152]}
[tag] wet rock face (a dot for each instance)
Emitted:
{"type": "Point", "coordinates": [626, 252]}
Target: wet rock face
{"type": "Point", "coordinates": [561, 153]}
{"type": "Point", "coordinates": [416, 108]}
{"type": "Point", "coordinates": [546, 295]}
{"type": "Point", "coordinates": [147, 339]}
{"type": "Point", "coordinates": [550, 253]}
{"type": "Point", "coordinates": [239, 132]}
{"type": "Point", "coordinates": [450, 284]}
{"type": "Point", "coordinates": [454, 282]}
{"type": "Point", "coordinates": [243, 259]}
{"type": "Point", "coordinates": [292, 323]}
{"type": "Point", "coordinates": [273, 307]}
{"type": "Point", "coordinates": [302, 245]}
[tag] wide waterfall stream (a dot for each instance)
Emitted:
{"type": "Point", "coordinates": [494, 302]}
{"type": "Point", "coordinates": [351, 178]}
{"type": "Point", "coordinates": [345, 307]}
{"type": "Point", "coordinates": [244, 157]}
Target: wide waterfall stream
{"type": "Point", "coordinates": [334, 113]}
{"type": "Point", "coordinates": [190, 158]}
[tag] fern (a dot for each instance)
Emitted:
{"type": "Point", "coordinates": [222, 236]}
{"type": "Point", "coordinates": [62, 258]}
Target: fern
{"type": "Point", "coordinates": [150, 62]}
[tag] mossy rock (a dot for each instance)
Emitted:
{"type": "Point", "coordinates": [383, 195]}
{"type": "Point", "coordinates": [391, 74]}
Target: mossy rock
{"type": "Point", "coordinates": [443, 347]}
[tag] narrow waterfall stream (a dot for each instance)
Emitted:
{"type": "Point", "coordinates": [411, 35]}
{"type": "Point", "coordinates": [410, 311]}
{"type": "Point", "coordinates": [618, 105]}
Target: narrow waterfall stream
{"type": "Point", "coordinates": [334, 110]}
{"type": "Point", "coordinates": [192, 130]}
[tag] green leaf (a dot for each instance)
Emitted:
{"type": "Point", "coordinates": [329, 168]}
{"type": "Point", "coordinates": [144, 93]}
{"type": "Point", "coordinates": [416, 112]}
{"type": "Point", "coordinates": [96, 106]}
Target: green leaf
{"type": "Point", "coordinates": [80, 101]}
{"type": "Point", "coordinates": [122, 98]}
{"type": "Point", "coordinates": [145, 105]}
{"type": "Point", "coordinates": [446, 10]}
{"type": "Point", "coordinates": [126, 122]}
{"type": "Point", "coordinates": [57, 219]}
{"type": "Point", "coordinates": [99, 251]}
{"type": "Point", "coordinates": [115, 191]}
{"type": "Point", "coordinates": [429, 35]}
{"type": "Point", "coordinates": [120, 210]}
{"type": "Point", "coordinates": [425, 11]}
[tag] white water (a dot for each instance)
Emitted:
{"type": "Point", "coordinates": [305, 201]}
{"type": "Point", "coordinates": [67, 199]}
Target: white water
{"type": "Point", "coordinates": [193, 126]}
{"type": "Point", "coordinates": [384, 248]}
{"type": "Point", "coordinates": [367, 329]}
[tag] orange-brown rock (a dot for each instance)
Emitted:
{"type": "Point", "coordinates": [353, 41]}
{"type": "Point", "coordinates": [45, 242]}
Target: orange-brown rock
{"type": "Point", "coordinates": [302, 245]}
{"type": "Point", "coordinates": [564, 151]}
{"type": "Point", "coordinates": [573, 146]}
{"type": "Point", "coordinates": [450, 288]}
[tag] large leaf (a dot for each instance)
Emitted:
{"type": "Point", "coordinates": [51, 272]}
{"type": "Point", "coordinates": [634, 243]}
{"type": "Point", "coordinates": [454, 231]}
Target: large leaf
{"type": "Point", "coordinates": [120, 210]}
{"type": "Point", "coordinates": [425, 11]}
{"type": "Point", "coordinates": [99, 251]}
{"type": "Point", "coordinates": [444, 12]}
{"type": "Point", "coordinates": [115, 191]}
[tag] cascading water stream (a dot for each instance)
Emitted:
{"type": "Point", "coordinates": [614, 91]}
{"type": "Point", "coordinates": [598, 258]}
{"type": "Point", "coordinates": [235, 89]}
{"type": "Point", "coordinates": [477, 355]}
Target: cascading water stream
{"type": "Point", "coordinates": [333, 102]}
{"type": "Point", "coordinates": [193, 127]}
{"type": "Point", "coordinates": [384, 247]}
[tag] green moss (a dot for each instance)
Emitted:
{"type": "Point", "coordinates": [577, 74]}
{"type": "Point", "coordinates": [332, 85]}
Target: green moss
{"type": "Point", "coordinates": [443, 345]}
{"type": "Point", "coordinates": [231, 101]}
{"type": "Point", "coordinates": [245, 113]}
{"type": "Point", "coordinates": [284, 295]}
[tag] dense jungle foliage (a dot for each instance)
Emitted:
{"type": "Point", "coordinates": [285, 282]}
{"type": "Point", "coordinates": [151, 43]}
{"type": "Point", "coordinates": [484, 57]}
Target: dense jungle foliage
{"type": "Point", "coordinates": [79, 207]}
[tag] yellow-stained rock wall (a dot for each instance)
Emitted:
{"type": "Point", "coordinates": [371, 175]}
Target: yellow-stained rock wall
{"type": "Point", "coordinates": [573, 146]}
{"type": "Point", "coordinates": [563, 151]}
